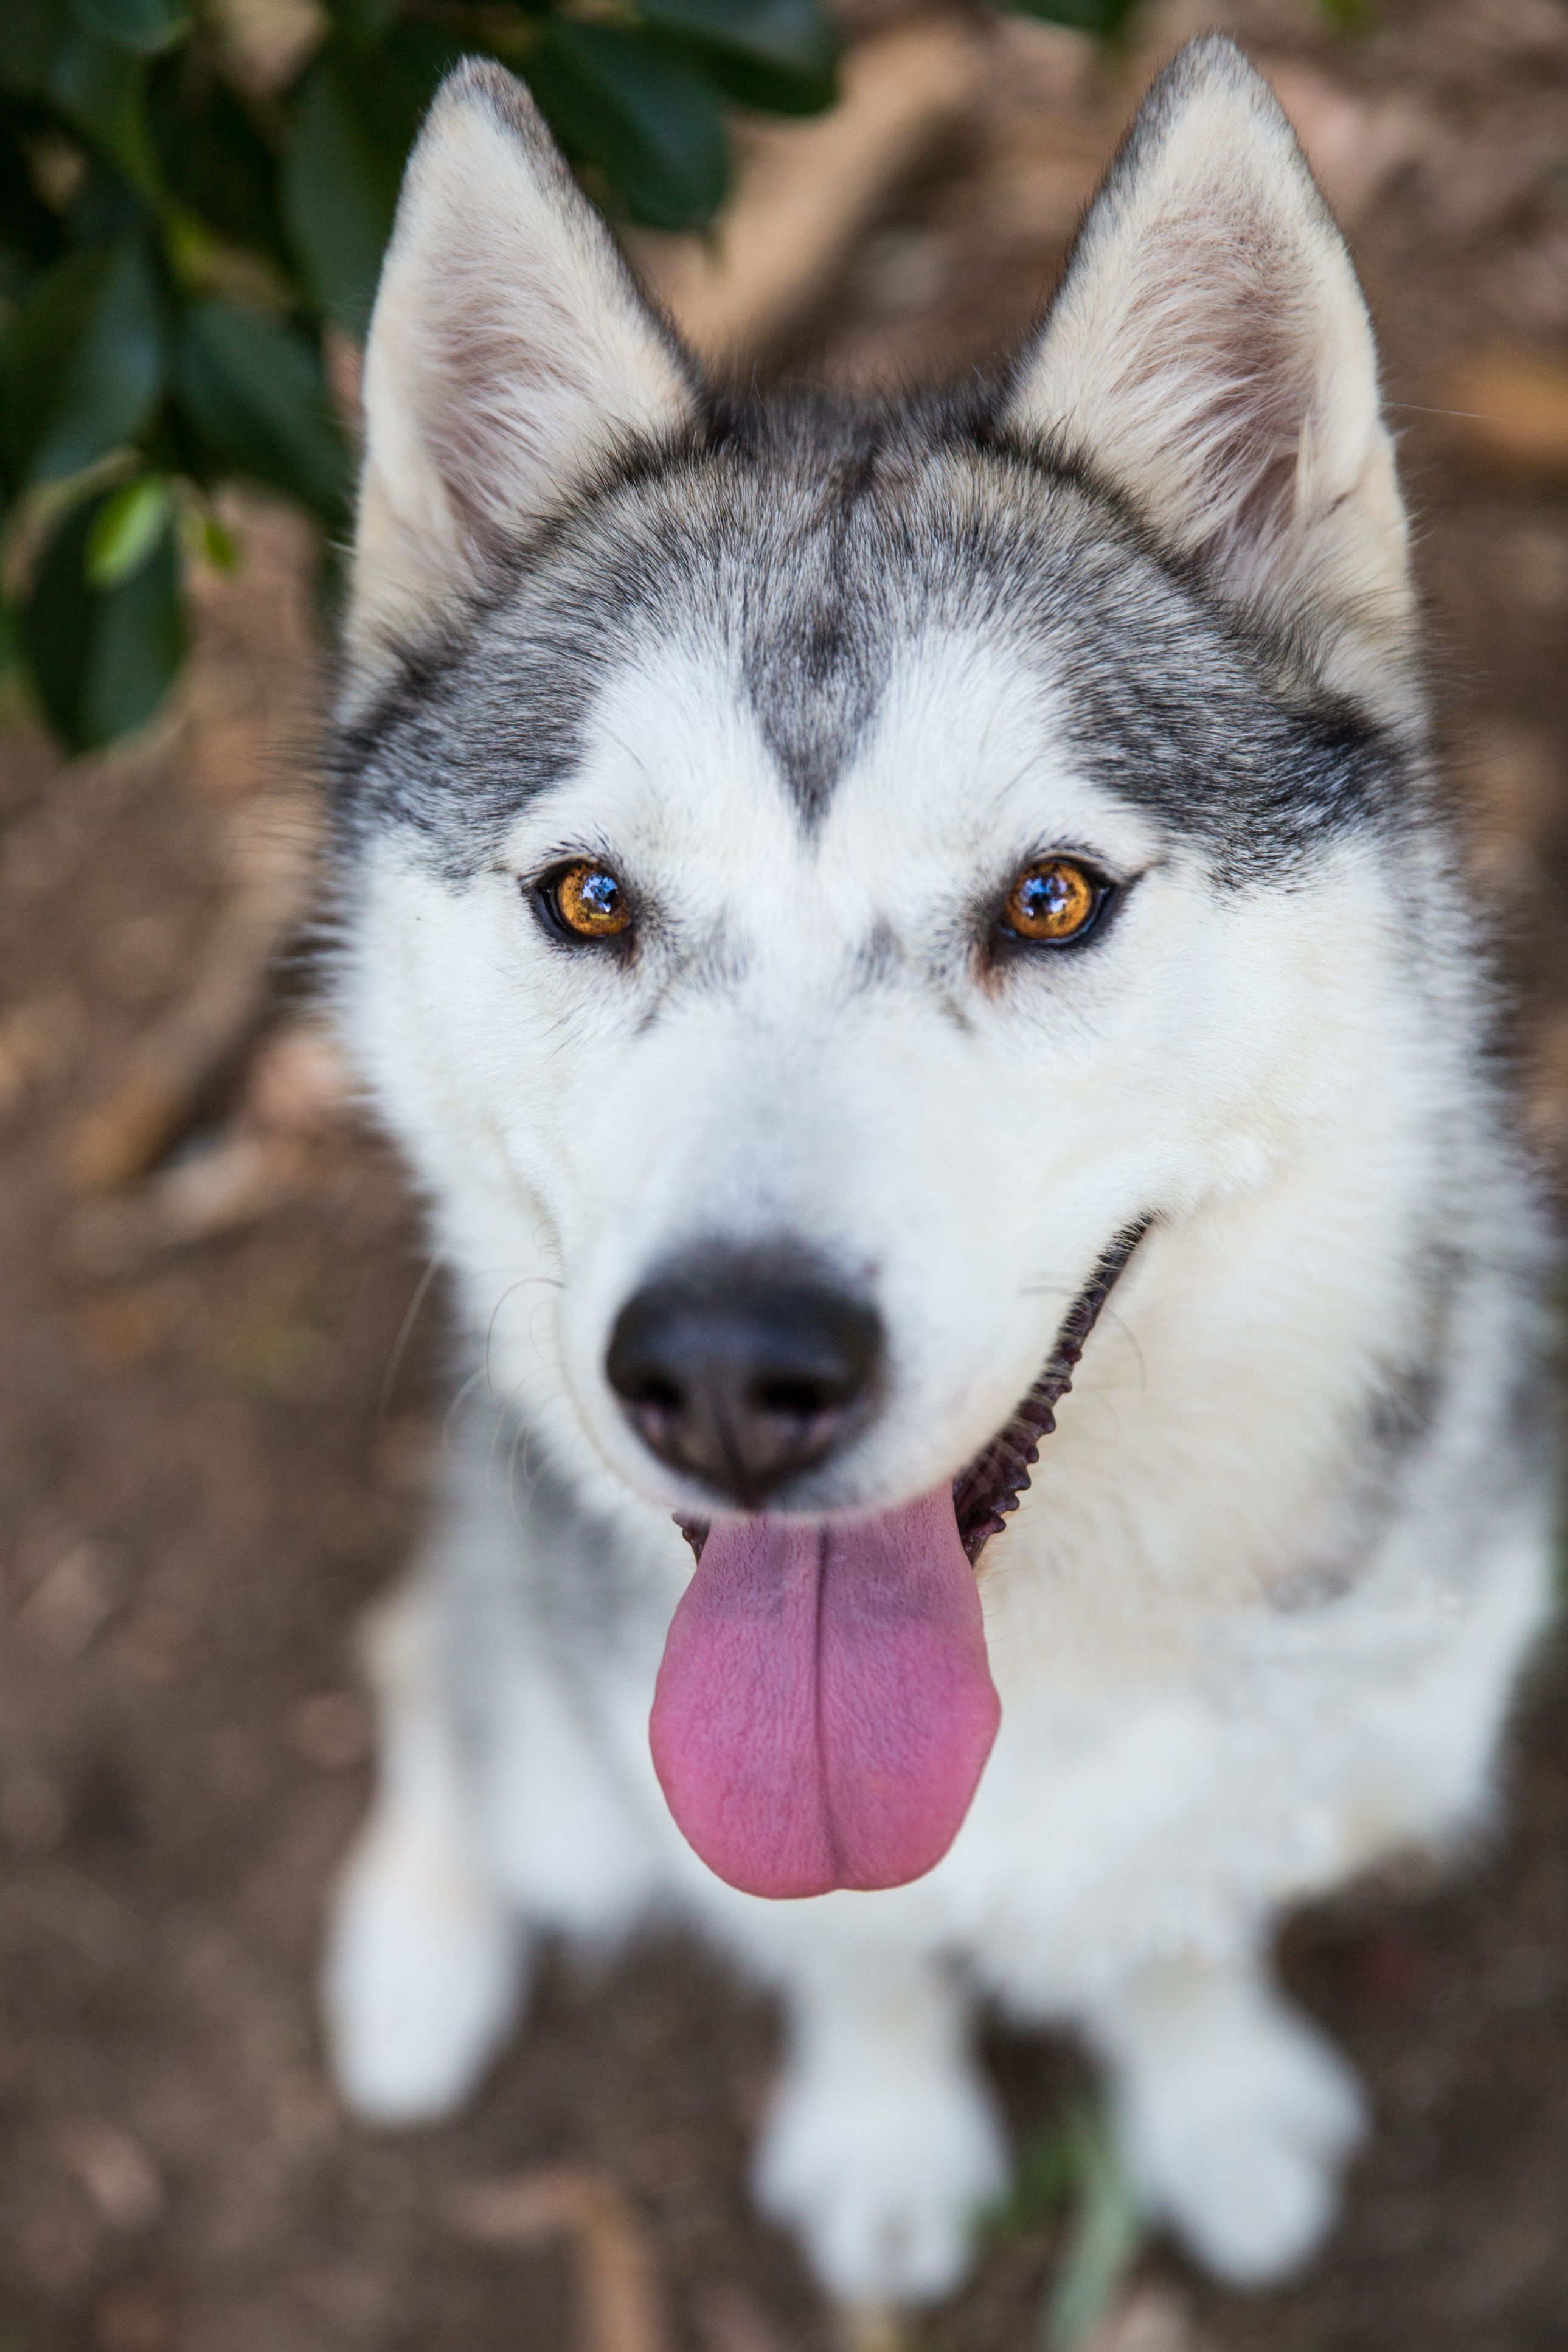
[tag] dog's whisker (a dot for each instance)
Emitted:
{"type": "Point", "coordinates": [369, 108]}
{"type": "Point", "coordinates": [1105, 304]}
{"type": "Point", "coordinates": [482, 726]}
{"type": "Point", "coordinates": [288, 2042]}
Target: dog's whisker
{"type": "Point", "coordinates": [464, 1392]}
{"type": "Point", "coordinates": [511, 1291]}
{"type": "Point", "coordinates": [404, 1332]}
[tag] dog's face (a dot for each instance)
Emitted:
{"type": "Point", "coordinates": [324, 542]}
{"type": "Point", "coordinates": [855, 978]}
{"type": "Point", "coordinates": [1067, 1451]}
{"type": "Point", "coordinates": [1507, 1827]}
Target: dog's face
{"type": "Point", "coordinates": [827, 882]}
{"type": "Point", "coordinates": [928, 1008]}
{"type": "Point", "coordinates": [872, 859]}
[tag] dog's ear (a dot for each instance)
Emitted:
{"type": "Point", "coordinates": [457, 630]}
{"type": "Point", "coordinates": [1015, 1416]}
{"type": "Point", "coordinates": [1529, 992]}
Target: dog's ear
{"type": "Point", "coordinates": [511, 358]}
{"type": "Point", "coordinates": [1209, 356]}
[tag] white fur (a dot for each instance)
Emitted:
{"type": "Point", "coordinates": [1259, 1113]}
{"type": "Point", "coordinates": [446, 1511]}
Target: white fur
{"type": "Point", "coordinates": [1205, 1716]}
{"type": "Point", "coordinates": [426, 1960]}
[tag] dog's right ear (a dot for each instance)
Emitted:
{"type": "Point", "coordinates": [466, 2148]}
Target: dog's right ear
{"type": "Point", "coordinates": [1209, 356]}
{"type": "Point", "coordinates": [512, 357]}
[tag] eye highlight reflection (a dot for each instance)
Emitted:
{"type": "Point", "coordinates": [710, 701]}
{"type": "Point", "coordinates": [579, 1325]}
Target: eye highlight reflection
{"type": "Point", "coordinates": [585, 901]}
{"type": "Point", "coordinates": [1053, 902]}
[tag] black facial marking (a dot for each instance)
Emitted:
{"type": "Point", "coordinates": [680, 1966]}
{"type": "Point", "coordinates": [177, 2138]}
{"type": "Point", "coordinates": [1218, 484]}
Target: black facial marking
{"type": "Point", "coordinates": [877, 958]}
{"type": "Point", "coordinates": [803, 550]}
{"type": "Point", "coordinates": [813, 669]}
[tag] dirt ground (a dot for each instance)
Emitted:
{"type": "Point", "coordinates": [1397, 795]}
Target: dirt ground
{"type": "Point", "coordinates": [210, 1461]}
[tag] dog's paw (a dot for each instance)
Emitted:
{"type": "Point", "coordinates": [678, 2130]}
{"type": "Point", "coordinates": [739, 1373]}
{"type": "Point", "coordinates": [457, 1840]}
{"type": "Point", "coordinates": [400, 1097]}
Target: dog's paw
{"type": "Point", "coordinates": [882, 2178]}
{"type": "Point", "coordinates": [424, 1966]}
{"type": "Point", "coordinates": [1240, 2145]}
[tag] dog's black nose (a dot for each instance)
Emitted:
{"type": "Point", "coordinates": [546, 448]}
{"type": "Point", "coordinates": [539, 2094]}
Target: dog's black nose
{"type": "Point", "coordinates": [743, 1374]}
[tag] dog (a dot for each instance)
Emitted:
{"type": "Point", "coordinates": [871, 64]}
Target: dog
{"type": "Point", "coordinates": [916, 953]}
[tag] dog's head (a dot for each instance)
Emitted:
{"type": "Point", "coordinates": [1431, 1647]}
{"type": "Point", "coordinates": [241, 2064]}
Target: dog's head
{"type": "Point", "coordinates": [827, 879]}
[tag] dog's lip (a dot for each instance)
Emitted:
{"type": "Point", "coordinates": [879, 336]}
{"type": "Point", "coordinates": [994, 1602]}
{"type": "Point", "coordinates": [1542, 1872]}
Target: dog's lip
{"type": "Point", "coordinates": [997, 1479]}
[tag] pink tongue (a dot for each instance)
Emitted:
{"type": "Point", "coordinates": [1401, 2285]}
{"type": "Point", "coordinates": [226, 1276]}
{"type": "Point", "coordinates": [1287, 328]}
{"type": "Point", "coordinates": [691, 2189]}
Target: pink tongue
{"type": "Point", "coordinates": [824, 1709]}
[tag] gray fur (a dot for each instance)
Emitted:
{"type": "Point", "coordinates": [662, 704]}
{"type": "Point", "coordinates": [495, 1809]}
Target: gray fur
{"type": "Point", "coordinates": [812, 539]}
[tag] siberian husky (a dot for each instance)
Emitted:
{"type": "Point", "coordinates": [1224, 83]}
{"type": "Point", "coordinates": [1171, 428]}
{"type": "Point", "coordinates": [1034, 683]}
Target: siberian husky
{"type": "Point", "coordinates": [916, 954]}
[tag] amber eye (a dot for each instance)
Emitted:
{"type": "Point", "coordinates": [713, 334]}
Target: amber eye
{"type": "Point", "coordinates": [1053, 902]}
{"type": "Point", "coordinates": [587, 901]}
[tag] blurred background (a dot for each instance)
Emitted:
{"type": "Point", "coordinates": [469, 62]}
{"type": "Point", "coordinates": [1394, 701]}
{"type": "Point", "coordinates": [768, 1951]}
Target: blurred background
{"type": "Point", "coordinates": [222, 1368]}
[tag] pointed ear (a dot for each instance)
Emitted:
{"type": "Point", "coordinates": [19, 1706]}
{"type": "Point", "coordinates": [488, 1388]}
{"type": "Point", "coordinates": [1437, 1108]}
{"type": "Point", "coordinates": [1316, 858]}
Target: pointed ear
{"type": "Point", "coordinates": [1209, 356]}
{"type": "Point", "coordinates": [511, 357]}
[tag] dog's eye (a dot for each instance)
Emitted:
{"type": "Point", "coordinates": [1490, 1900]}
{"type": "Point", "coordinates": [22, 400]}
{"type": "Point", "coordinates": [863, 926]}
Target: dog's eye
{"type": "Point", "coordinates": [1053, 902]}
{"type": "Point", "coordinates": [587, 900]}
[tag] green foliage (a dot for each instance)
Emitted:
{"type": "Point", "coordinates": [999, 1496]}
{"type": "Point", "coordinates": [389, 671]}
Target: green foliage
{"type": "Point", "coordinates": [101, 657]}
{"type": "Point", "coordinates": [648, 116]}
{"type": "Point", "coordinates": [1106, 18]}
{"type": "Point", "coordinates": [1106, 2235]}
{"type": "Point", "coordinates": [130, 525]}
{"type": "Point", "coordinates": [175, 248]}
{"type": "Point", "coordinates": [85, 360]}
{"type": "Point", "coordinates": [1070, 2194]}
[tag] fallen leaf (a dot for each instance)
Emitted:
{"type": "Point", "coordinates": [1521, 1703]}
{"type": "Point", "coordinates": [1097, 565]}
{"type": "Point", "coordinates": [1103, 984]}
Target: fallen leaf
{"type": "Point", "coordinates": [221, 1189]}
{"type": "Point", "coordinates": [225, 1005]}
{"type": "Point", "coordinates": [330, 1729]}
{"type": "Point", "coordinates": [298, 1082]}
{"type": "Point", "coordinates": [134, 2316]}
{"type": "Point", "coordinates": [872, 2327]}
{"type": "Point", "coordinates": [729, 2320]}
{"type": "Point", "coordinates": [117, 2174]}
{"type": "Point", "coordinates": [74, 1599]}
{"type": "Point", "coordinates": [1147, 2319]}
{"type": "Point", "coordinates": [619, 2306]}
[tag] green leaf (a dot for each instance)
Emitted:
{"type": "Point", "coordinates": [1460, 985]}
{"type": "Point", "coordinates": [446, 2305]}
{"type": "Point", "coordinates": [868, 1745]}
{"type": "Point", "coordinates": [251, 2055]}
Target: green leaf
{"type": "Point", "coordinates": [142, 26]}
{"type": "Point", "coordinates": [215, 543]}
{"type": "Point", "coordinates": [350, 131]}
{"type": "Point", "coordinates": [98, 88]}
{"type": "Point", "coordinates": [361, 23]}
{"type": "Point", "coordinates": [105, 207]}
{"type": "Point", "coordinates": [792, 34]}
{"type": "Point", "coordinates": [338, 196]}
{"type": "Point", "coordinates": [126, 528]}
{"type": "Point", "coordinates": [252, 390]}
{"type": "Point", "coordinates": [1104, 17]}
{"type": "Point", "coordinates": [85, 363]}
{"type": "Point", "coordinates": [1108, 2231]}
{"type": "Point", "coordinates": [214, 161]}
{"type": "Point", "coordinates": [1044, 2179]}
{"type": "Point", "coordinates": [647, 119]}
{"type": "Point", "coordinates": [34, 31]}
{"type": "Point", "coordinates": [31, 233]}
{"type": "Point", "coordinates": [101, 659]}
{"type": "Point", "coordinates": [780, 56]}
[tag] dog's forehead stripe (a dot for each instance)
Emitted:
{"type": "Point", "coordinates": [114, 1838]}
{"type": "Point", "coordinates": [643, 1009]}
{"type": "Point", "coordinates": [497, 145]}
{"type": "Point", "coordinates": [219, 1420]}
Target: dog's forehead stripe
{"type": "Point", "coordinates": [811, 569]}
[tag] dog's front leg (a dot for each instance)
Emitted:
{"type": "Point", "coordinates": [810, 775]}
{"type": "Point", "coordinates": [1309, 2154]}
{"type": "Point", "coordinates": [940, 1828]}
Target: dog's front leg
{"type": "Point", "coordinates": [424, 1960]}
{"type": "Point", "coordinates": [882, 2145]}
{"type": "Point", "coordinates": [1235, 2115]}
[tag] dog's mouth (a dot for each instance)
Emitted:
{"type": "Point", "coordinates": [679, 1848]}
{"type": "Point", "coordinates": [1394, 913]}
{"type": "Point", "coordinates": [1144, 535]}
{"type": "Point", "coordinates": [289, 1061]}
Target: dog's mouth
{"type": "Point", "coordinates": [998, 1478]}
{"type": "Point", "coordinates": [825, 1707]}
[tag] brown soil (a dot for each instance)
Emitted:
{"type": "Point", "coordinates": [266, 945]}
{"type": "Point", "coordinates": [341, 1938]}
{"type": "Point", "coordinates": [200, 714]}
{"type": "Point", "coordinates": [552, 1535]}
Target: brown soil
{"type": "Point", "coordinates": [203, 1479]}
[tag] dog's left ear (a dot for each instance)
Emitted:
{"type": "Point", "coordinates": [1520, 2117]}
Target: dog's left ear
{"type": "Point", "coordinates": [1209, 357]}
{"type": "Point", "coordinates": [511, 360]}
